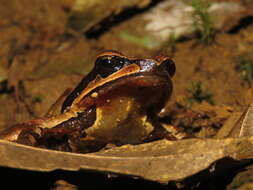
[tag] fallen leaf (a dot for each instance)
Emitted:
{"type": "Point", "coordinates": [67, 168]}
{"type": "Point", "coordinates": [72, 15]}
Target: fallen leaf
{"type": "Point", "coordinates": [229, 125]}
{"type": "Point", "coordinates": [244, 125]}
{"type": "Point", "coordinates": [160, 161]}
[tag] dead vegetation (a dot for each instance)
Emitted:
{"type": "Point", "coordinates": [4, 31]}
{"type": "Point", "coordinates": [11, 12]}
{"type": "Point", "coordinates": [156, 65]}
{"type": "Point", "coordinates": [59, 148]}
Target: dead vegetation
{"type": "Point", "coordinates": [42, 54]}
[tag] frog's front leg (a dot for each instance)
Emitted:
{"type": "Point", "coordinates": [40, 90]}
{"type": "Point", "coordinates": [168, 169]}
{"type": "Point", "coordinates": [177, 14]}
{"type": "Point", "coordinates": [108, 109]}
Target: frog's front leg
{"type": "Point", "coordinates": [57, 138]}
{"type": "Point", "coordinates": [69, 136]}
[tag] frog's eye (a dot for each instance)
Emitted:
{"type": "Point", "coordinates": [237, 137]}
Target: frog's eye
{"type": "Point", "coordinates": [106, 65]}
{"type": "Point", "coordinates": [169, 65]}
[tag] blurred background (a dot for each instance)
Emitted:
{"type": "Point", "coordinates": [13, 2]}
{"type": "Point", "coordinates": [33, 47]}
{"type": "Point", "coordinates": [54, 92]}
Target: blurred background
{"type": "Point", "coordinates": [48, 46]}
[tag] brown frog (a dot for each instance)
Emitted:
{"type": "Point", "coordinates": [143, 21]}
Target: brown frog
{"type": "Point", "coordinates": [116, 103]}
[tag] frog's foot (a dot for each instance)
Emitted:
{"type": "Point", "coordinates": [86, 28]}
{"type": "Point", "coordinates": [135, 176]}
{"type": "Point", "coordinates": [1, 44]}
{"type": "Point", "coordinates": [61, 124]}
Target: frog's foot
{"type": "Point", "coordinates": [24, 133]}
{"type": "Point", "coordinates": [174, 133]}
{"type": "Point", "coordinates": [165, 131]}
{"type": "Point", "coordinates": [86, 144]}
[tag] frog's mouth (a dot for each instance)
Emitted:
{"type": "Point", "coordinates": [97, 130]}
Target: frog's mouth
{"type": "Point", "coordinates": [148, 87]}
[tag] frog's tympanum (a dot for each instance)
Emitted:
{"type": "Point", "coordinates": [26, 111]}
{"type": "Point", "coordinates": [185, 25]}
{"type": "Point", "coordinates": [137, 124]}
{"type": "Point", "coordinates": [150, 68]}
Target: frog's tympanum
{"type": "Point", "coordinates": [116, 103]}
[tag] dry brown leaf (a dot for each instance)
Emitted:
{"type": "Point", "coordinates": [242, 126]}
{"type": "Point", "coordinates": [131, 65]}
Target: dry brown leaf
{"type": "Point", "coordinates": [244, 125]}
{"type": "Point", "coordinates": [160, 161]}
{"type": "Point", "coordinates": [229, 125]}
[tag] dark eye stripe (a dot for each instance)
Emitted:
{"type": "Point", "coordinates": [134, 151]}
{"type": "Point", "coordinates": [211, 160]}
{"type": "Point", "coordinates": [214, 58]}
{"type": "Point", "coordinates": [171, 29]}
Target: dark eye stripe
{"type": "Point", "coordinates": [79, 88]}
{"type": "Point", "coordinates": [106, 65]}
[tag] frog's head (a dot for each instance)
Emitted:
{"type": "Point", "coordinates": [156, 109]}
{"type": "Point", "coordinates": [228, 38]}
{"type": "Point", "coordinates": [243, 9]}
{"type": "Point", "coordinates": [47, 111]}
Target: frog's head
{"type": "Point", "coordinates": [110, 62]}
{"type": "Point", "coordinates": [114, 75]}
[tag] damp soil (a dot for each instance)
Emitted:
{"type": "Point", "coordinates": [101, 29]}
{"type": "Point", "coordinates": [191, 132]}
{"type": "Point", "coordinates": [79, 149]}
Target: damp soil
{"type": "Point", "coordinates": [38, 66]}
